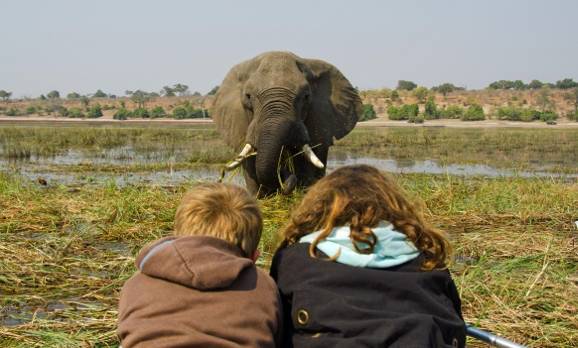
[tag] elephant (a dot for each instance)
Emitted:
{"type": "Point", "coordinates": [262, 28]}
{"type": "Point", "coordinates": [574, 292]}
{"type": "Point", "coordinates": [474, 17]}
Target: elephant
{"type": "Point", "coordinates": [283, 112]}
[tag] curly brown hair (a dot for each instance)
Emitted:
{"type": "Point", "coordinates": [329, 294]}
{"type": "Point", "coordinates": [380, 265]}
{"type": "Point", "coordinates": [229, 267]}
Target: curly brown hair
{"type": "Point", "coordinates": [361, 196]}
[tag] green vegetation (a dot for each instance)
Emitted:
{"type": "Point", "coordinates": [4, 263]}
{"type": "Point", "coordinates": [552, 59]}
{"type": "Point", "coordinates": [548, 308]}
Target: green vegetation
{"type": "Point", "coordinates": [30, 110]}
{"type": "Point", "coordinates": [5, 95]}
{"type": "Point", "coordinates": [421, 93]}
{"type": "Point", "coordinates": [75, 113]}
{"type": "Point", "coordinates": [474, 112]}
{"type": "Point", "coordinates": [121, 114]}
{"type": "Point", "coordinates": [446, 88]}
{"type": "Point", "coordinates": [405, 112]}
{"type": "Point", "coordinates": [213, 91]}
{"type": "Point", "coordinates": [95, 111]}
{"type": "Point", "coordinates": [73, 95]}
{"type": "Point", "coordinates": [99, 94]}
{"type": "Point", "coordinates": [534, 84]}
{"type": "Point", "coordinates": [140, 113]}
{"type": "Point", "coordinates": [368, 113]}
{"type": "Point", "coordinates": [451, 112]}
{"type": "Point", "coordinates": [186, 110]}
{"type": "Point", "coordinates": [431, 111]}
{"type": "Point", "coordinates": [53, 94]}
{"type": "Point", "coordinates": [406, 85]}
{"type": "Point", "coordinates": [157, 112]}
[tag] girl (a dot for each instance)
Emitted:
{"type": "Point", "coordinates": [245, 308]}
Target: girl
{"type": "Point", "coordinates": [359, 267]}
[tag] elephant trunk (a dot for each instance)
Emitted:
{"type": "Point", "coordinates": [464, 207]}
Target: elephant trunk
{"type": "Point", "coordinates": [270, 145]}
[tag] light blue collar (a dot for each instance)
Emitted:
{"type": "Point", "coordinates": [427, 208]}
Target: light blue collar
{"type": "Point", "coordinates": [392, 248]}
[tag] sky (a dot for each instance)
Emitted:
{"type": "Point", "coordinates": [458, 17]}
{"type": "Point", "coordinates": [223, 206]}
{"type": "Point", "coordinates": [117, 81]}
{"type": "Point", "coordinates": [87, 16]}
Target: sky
{"type": "Point", "coordinates": [82, 46]}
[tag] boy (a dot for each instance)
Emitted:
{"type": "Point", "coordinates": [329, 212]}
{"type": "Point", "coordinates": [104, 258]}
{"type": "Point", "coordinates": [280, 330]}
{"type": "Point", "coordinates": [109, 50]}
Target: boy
{"type": "Point", "coordinates": [200, 287]}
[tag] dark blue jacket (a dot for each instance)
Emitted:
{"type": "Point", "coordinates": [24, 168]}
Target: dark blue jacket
{"type": "Point", "coordinates": [328, 304]}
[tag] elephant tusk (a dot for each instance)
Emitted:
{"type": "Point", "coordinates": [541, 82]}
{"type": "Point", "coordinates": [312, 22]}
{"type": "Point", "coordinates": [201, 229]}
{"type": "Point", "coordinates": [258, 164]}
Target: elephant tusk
{"type": "Point", "coordinates": [246, 152]}
{"type": "Point", "coordinates": [310, 155]}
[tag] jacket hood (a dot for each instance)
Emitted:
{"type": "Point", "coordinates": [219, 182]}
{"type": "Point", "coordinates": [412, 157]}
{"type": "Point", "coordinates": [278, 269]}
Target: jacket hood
{"type": "Point", "coordinates": [199, 262]}
{"type": "Point", "coordinates": [392, 248]}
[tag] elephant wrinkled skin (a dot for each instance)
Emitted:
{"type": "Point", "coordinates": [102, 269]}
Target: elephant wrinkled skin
{"type": "Point", "coordinates": [281, 106]}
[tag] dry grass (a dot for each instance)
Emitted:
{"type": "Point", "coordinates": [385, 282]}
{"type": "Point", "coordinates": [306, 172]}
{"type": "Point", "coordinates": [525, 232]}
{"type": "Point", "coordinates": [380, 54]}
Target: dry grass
{"type": "Point", "coordinates": [65, 254]}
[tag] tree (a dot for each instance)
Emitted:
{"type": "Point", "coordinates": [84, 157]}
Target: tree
{"type": "Point", "coordinates": [140, 98]}
{"type": "Point", "coordinates": [99, 94]}
{"type": "Point", "coordinates": [213, 91]}
{"type": "Point", "coordinates": [181, 89]}
{"type": "Point", "coordinates": [519, 85]}
{"type": "Point", "coordinates": [73, 95]}
{"type": "Point", "coordinates": [53, 94]}
{"type": "Point", "coordinates": [535, 84]}
{"type": "Point", "coordinates": [5, 95]}
{"type": "Point", "coordinates": [566, 84]}
{"type": "Point", "coordinates": [197, 94]}
{"type": "Point", "coordinates": [406, 85]}
{"type": "Point", "coordinates": [168, 91]}
{"type": "Point", "coordinates": [444, 88]}
{"type": "Point", "coordinates": [431, 112]}
{"type": "Point", "coordinates": [420, 93]}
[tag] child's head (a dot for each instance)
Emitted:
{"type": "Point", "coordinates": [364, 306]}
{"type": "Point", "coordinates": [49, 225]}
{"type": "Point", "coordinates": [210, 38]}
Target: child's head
{"type": "Point", "coordinates": [361, 196]}
{"type": "Point", "coordinates": [222, 211]}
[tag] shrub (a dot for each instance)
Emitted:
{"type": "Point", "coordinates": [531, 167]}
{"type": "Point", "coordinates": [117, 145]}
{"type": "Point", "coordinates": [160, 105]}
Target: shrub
{"type": "Point", "coordinates": [31, 110]}
{"type": "Point", "coordinates": [12, 112]}
{"type": "Point", "coordinates": [157, 112]}
{"type": "Point", "coordinates": [187, 111]}
{"type": "Point", "coordinates": [62, 111]}
{"type": "Point", "coordinates": [548, 116]}
{"type": "Point", "coordinates": [573, 115]}
{"type": "Point", "coordinates": [121, 114]}
{"type": "Point", "coordinates": [368, 113]}
{"type": "Point", "coordinates": [451, 111]}
{"type": "Point", "coordinates": [529, 115]}
{"type": "Point", "coordinates": [474, 113]}
{"type": "Point", "coordinates": [95, 111]}
{"type": "Point", "coordinates": [140, 113]}
{"type": "Point", "coordinates": [75, 113]}
{"type": "Point", "coordinates": [431, 111]}
{"type": "Point", "coordinates": [404, 112]}
{"type": "Point", "coordinates": [509, 113]}
{"type": "Point", "coordinates": [180, 113]}
{"type": "Point", "coordinates": [421, 93]}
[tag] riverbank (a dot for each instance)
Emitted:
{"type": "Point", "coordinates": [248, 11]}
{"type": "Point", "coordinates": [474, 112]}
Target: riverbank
{"type": "Point", "coordinates": [379, 122]}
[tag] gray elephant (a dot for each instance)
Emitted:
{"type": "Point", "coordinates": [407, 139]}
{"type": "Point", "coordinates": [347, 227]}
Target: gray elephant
{"type": "Point", "coordinates": [282, 113]}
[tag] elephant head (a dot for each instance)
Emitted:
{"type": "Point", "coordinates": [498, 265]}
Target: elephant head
{"type": "Point", "coordinates": [280, 105]}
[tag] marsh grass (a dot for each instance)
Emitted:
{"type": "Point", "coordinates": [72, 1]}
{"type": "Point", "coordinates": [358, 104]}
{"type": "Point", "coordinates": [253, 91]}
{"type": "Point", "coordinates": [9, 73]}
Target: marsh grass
{"type": "Point", "coordinates": [65, 254]}
{"type": "Point", "coordinates": [499, 147]}
{"type": "Point", "coordinates": [519, 149]}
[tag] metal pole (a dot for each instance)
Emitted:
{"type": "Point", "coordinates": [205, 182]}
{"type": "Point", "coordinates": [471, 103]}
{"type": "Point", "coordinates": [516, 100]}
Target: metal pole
{"type": "Point", "coordinates": [491, 339]}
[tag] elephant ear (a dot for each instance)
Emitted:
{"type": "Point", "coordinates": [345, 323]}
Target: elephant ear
{"type": "Point", "coordinates": [335, 104]}
{"type": "Point", "coordinates": [231, 118]}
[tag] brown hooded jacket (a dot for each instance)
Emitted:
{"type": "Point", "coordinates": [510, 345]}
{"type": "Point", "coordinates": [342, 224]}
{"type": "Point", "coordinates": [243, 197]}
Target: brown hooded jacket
{"type": "Point", "coordinates": [198, 292]}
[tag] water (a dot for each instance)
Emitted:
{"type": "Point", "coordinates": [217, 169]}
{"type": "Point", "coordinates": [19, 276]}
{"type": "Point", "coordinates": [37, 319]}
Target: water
{"type": "Point", "coordinates": [51, 170]}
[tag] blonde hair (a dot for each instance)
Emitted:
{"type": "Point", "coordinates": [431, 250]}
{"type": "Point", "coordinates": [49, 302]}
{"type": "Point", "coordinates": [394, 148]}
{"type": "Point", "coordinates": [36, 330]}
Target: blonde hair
{"type": "Point", "coordinates": [361, 196]}
{"type": "Point", "coordinates": [222, 211]}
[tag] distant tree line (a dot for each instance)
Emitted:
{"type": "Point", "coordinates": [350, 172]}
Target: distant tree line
{"type": "Point", "coordinates": [534, 84]}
